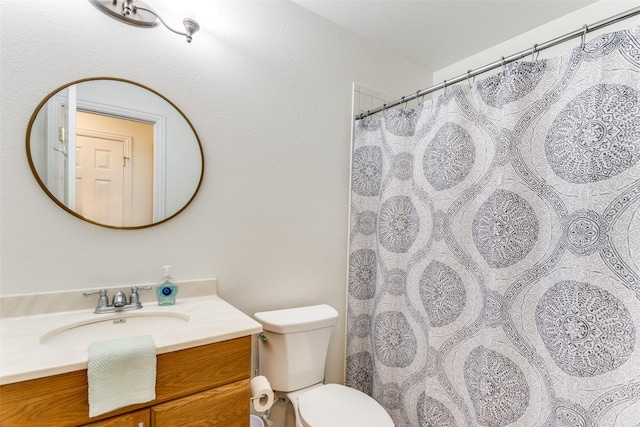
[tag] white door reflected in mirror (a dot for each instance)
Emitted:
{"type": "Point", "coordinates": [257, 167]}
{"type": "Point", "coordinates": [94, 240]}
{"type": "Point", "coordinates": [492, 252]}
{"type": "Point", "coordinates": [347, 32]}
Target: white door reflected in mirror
{"type": "Point", "coordinates": [114, 183]}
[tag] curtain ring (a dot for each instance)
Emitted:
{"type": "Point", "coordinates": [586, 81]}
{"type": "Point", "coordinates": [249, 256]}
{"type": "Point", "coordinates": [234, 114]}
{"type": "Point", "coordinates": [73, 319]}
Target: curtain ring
{"type": "Point", "coordinates": [585, 29]}
{"type": "Point", "coordinates": [421, 98]}
{"type": "Point", "coordinates": [533, 52]}
{"type": "Point", "coordinates": [504, 65]}
{"type": "Point", "coordinates": [445, 88]}
{"type": "Point", "coordinates": [468, 77]}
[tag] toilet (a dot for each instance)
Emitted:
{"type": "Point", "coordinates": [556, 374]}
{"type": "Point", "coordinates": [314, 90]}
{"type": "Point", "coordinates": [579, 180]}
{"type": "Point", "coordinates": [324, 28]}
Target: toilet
{"type": "Point", "coordinates": [292, 356]}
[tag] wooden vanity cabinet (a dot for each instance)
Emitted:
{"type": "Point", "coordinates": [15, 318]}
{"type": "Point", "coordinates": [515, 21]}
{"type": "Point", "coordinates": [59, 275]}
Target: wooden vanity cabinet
{"type": "Point", "coordinates": [200, 386]}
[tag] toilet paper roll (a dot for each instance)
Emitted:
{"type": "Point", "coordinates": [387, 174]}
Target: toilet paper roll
{"type": "Point", "coordinates": [261, 393]}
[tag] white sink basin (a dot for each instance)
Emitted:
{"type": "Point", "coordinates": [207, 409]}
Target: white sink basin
{"type": "Point", "coordinates": [78, 336]}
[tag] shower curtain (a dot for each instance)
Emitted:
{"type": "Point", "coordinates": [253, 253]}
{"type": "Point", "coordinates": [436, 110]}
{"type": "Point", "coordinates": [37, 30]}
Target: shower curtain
{"type": "Point", "coordinates": [494, 262]}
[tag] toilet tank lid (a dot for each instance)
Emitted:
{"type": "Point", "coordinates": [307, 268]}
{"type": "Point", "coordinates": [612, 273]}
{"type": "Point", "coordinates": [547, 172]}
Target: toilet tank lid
{"type": "Point", "coordinates": [297, 319]}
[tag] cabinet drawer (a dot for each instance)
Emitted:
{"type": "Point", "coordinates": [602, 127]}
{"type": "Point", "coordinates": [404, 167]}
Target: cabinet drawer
{"type": "Point", "coordinates": [199, 368]}
{"type": "Point", "coordinates": [224, 406]}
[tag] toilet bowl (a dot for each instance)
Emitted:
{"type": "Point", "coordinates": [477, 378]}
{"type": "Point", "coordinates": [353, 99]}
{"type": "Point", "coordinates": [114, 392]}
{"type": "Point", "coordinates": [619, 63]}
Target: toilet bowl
{"type": "Point", "coordinates": [292, 356]}
{"type": "Point", "coordinates": [336, 405]}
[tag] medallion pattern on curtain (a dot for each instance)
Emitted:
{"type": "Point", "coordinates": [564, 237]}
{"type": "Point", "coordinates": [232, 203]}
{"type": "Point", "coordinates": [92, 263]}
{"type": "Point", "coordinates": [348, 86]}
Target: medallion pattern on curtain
{"type": "Point", "coordinates": [494, 267]}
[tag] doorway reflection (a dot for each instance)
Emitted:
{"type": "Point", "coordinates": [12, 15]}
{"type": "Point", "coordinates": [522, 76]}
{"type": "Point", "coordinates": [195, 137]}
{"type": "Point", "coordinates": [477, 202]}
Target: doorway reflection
{"type": "Point", "coordinates": [114, 169]}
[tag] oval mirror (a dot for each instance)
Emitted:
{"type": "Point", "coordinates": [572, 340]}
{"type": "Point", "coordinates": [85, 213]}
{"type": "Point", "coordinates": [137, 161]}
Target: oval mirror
{"type": "Point", "coordinates": [114, 153]}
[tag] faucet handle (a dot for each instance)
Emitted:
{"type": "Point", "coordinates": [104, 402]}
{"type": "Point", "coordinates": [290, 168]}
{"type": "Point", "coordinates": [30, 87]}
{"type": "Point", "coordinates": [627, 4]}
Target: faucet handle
{"type": "Point", "coordinates": [103, 301]}
{"type": "Point", "coordinates": [135, 298]}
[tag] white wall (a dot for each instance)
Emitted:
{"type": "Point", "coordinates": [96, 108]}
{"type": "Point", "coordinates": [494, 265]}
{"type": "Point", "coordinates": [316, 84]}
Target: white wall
{"type": "Point", "coordinates": [587, 15]}
{"type": "Point", "coordinates": [268, 90]}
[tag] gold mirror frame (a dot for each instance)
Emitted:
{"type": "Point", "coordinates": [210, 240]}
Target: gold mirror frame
{"type": "Point", "coordinates": [60, 203]}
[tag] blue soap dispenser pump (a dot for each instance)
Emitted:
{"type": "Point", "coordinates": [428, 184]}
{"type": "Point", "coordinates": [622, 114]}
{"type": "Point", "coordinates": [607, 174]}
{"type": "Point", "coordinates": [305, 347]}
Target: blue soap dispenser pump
{"type": "Point", "coordinates": [167, 288]}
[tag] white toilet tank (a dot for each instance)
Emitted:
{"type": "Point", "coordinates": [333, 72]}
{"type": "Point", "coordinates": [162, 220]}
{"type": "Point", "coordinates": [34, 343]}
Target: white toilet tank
{"type": "Point", "coordinates": [295, 353]}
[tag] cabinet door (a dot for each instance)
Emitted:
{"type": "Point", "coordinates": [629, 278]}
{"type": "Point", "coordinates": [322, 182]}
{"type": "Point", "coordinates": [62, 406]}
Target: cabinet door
{"type": "Point", "coordinates": [224, 406]}
{"type": "Point", "coordinates": [140, 418]}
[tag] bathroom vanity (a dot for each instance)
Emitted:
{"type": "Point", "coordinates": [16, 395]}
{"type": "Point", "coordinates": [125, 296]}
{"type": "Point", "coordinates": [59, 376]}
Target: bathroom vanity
{"type": "Point", "coordinates": [203, 367]}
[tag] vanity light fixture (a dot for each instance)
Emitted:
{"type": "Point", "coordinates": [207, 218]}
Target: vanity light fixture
{"type": "Point", "coordinates": [137, 13]}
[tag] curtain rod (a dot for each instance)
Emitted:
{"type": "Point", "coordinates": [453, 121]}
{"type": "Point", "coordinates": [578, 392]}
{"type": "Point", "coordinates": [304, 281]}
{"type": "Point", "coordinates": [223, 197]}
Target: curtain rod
{"type": "Point", "coordinates": [582, 32]}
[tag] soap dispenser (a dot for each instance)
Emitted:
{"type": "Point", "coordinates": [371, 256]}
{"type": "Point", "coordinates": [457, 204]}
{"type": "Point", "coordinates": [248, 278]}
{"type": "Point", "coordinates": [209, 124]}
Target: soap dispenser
{"type": "Point", "coordinates": [167, 288]}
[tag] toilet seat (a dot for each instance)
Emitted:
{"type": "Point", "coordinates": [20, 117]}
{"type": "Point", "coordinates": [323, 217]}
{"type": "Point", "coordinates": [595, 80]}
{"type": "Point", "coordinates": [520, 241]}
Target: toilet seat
{"type": "Point", "coordinates": [335, 405]}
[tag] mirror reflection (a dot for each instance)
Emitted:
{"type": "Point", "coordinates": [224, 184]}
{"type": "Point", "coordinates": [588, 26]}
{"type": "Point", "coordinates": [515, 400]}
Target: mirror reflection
{"type": "Point", "coordinates": [114, 153]}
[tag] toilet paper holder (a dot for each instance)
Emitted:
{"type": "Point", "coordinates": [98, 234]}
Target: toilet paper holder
{"type": "Point", "coordinates": [258, 397]}
{"type": "Point", "coordinates": [261, 395]}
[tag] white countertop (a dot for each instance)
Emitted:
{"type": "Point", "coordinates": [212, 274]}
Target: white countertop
{"type": "Point", "coordinates": [24, 357]}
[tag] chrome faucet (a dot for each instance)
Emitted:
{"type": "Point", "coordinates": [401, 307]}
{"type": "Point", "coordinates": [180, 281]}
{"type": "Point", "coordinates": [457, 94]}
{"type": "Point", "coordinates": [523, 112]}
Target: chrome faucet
{"type": "Point", "coordinates": [119, 302]}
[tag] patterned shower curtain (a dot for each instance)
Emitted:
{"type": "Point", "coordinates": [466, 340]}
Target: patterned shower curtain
{"type": "Point", "coordinates": [494, 267]}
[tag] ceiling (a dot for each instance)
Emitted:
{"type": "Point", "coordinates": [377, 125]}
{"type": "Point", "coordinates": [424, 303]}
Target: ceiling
{"type": "Point", "coordinates": [438, 33]}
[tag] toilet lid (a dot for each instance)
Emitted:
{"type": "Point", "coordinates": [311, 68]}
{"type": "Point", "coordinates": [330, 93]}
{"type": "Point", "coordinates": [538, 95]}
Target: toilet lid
{"type": "Point", "coordinates": [334, 405]}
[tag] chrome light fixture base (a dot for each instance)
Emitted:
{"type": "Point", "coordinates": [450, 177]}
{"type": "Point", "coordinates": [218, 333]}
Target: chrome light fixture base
{"type": "Point", "coordinates": [115, 9]}
{"type": "Point", "coordinates": [139, 14]}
